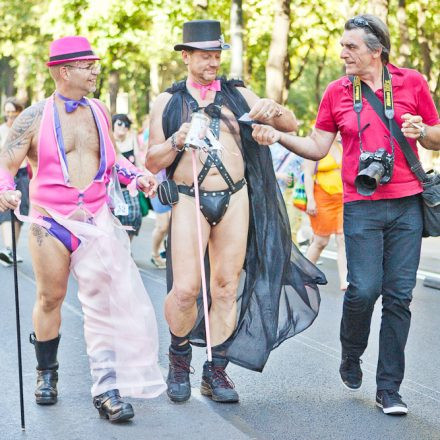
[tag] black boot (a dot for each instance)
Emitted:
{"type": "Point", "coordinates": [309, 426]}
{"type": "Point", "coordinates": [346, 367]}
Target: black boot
{"type": "Point", "coordinates": [47, 375]}
{"type": "Point", "coordinates": [216, 383]}
{"type": "Point", "coordinates": [110, 406]}
{"type": "Point", "coordinates": [179, 386]}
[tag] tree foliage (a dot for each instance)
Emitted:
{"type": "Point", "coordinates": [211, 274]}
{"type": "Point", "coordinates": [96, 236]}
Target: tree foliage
{"type": "Point", "coordinates": [135, 39]}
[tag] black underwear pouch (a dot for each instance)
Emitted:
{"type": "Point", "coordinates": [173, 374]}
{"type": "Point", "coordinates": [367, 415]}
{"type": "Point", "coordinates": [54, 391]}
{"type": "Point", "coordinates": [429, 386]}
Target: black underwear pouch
{"type": "Point", "coordinates": [168, 193]}
{"type": "Point", "coordinates": [213, 204]}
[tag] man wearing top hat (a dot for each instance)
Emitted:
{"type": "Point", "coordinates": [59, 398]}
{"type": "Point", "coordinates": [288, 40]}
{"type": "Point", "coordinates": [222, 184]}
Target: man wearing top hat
{"type": "Point", "coordinates": [69, 144]}
{"type": "Point", "coordinates": [244, 224]}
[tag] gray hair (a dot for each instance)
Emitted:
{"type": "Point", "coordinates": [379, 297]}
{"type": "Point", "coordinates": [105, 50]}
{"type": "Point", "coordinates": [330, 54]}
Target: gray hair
{"type": "Point", "coordinates": [376, 34]}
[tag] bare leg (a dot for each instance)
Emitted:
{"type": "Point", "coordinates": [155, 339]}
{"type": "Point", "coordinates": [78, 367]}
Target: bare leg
{"type": "Point", "coordinates": [159, 232]}
{"type": "Point", "coordinates": [318, 245]}
{"type": "Point", "coordinates": [180, 303]}
{"type": "Point", "coordinates": [227, 250]}
{"type": "Point", "coordinates": [51, 261]}
{"type": "Point", "coordinates": [342, 261]}
{"type": "Point", "coordinates": [7, 233]}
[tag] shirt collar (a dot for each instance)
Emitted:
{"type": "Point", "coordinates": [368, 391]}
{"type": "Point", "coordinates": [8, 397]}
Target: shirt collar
{"type": "Point", "coordinates": [395, 72]}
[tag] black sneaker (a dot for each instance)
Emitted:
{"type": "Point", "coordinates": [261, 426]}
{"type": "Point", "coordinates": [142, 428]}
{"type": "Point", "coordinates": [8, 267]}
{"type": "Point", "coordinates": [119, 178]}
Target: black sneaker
{"type": "Point", "coordinates": [178, 383]}
{"type": "Point", "coordinates": [351, 373]}
{"type": "Point", "coordinates": [216, 384]}
{"type": "Point", "coordinates": [391, 402]}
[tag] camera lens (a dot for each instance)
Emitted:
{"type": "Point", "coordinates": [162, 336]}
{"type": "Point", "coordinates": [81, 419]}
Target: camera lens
{"type": "Point", "coordinates": [367, 180]}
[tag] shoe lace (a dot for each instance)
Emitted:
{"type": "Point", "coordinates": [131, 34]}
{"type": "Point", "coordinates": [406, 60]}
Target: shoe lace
{"type": "Point", "coordinates": [394, 395]}
{"type": "Point", "coordinates": [220, 378]}
{"type": "Point", "coordinates": [180, 367]}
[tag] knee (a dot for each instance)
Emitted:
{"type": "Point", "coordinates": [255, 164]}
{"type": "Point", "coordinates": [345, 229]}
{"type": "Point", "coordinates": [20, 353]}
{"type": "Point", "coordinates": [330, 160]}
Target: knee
{"type": "Point", "coordinates": [359, 300]}
{"type": "Point", "coordinates": [185, 296]}
{"type": "Point", "coordinates": [224, 291]}
{"type": "Point", "coordinates": [321, 242]}
{"type": "Point", "coordinates": [50, 301]}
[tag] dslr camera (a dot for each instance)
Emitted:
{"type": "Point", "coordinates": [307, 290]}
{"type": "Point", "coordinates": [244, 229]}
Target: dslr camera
{"type": "Point", "coordinates": [374, 168]}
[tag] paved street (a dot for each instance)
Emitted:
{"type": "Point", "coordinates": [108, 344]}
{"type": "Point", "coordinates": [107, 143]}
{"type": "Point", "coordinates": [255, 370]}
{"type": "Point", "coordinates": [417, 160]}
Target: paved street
{"type": "Point", "coordinates": [298, 396]}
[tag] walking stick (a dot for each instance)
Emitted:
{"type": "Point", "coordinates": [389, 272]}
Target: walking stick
{"type": "Point", "coordinates": [17, 319]}
{"type": "Point", "coordinates": [202, 258]}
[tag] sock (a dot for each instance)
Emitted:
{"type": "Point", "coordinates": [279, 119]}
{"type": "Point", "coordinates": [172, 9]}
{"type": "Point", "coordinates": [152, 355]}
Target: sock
{"type": "Point", "coordinates": [180, 343]}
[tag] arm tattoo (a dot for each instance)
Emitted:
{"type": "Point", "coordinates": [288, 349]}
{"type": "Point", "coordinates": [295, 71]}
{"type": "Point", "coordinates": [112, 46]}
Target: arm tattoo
{"type": "Point", "coordinates": [22, 130]}
{"type": "Point", "coordinates": [39, 233]}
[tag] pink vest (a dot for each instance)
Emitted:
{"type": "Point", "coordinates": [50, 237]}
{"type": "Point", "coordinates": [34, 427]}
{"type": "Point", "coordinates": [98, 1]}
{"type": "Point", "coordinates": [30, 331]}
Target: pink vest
{"type": "Point", "coordinates": [49, 187]}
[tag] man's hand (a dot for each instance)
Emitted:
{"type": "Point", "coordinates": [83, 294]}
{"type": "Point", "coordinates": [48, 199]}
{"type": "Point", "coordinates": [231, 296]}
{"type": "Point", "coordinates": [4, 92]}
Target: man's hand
{"type": "Point", "coordinates": [148, 185]}
{"type": "Point", "coordinates": [264, 110]}
{"type": "Point", "coordinates": [9, 200]}
{"type": "Point", "coordinates": [412, 126]}
{"type": "Point", "coordinates": [181, 134]}
{"type": "Point", "coordinates": [265, 134]}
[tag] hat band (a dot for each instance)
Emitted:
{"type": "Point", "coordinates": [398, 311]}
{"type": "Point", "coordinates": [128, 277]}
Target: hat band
{"type": "Point", "coordinates": [68, 56]}
{"type": "Point", "coordinates": [203, 44]}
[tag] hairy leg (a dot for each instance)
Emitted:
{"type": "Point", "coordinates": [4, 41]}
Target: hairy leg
{"type": "Point", "coordinates": [180, 303]}
{"type": "Point", "coordinates": [227, 251]}
{"type": "Point", "coordinates": [318, 245]}
{"type": "Point", "coordinates": [51, 261]}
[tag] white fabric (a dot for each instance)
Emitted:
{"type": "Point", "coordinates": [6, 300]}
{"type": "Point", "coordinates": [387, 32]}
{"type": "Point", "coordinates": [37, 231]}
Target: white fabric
{"type": "Point", "coordinates": [119, 320]}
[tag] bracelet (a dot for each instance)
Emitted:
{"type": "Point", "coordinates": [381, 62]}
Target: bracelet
{"type": "Point", "coordinates": [174, 144]}
{"type": "Point", "coordinates": [422, 133]}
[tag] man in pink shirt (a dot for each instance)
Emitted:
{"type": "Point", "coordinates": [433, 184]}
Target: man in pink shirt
{"type": "Point", "coordinates": [68, 142]}
{"type": "Point", "coordinates": [383, 224]}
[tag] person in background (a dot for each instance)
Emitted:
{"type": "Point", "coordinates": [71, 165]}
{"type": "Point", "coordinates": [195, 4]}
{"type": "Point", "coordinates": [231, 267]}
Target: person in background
{"type": "Point", "coordinates": [287, 167]}
{"type": "Point", "coordinates": [323, 184]}
{"type": "Point", "coordinates": [127, 146]}
{"type": "Point", "coordinates": [163, 214]}
{"type": "Point", "coordinates": [12, 108]}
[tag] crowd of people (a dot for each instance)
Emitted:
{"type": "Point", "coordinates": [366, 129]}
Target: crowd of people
{"type": "Point", "coordinates": [91, 176]}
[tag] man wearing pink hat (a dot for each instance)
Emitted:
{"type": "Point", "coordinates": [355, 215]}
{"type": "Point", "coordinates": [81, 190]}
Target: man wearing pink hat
{"type": "Point", "coordinates": [67, 140]}
{"type": "Point", "coordinates": [258, 296]}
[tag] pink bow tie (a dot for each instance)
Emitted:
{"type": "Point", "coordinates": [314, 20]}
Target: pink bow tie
{"type": "Point", "coordinates": [215, 85]}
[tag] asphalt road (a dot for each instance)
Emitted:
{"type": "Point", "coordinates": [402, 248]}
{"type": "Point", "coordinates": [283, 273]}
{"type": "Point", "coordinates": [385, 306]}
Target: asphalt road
{"type": "Point", "coordinates": [298, 396]}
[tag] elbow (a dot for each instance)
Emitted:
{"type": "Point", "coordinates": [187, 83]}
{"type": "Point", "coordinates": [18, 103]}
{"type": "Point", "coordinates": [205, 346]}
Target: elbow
{"type": "Point", "coordinates": [150, 165]}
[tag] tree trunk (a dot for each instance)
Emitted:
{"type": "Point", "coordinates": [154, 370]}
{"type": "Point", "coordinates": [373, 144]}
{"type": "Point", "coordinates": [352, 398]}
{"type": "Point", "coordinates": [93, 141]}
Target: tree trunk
{"type": "Point", "coordinates": [278, 53]}
{"type": "Point", "coordinates": [236, 31]}
{"type": "Point", "coordinates": [380, 8]}
{"type": "Point", "coordinates": [320, 68]}
{"type": "Point", "coordinates": [113, 86]}
{"type": "Point", "coordinates": [404, 50]}
{"type": "Point", "coordinates": [424, 45]}
{"type": "Point", "coordinates": [154, 81]}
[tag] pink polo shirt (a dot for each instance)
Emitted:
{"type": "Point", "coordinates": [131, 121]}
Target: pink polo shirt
{"type": "Point", "coordinates": [411, 95]}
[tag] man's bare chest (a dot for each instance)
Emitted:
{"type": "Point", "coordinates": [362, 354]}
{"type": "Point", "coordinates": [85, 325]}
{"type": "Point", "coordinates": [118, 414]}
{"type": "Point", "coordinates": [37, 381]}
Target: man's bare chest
{"type": "Point", "coordinates": [79, 134]}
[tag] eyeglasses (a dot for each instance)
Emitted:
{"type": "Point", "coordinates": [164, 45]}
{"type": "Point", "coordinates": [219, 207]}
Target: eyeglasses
{"type": "Point", "coordinates": [361, 22]}
{"type": "Point", "coordinates": [120, 123]}
{"type": "Point", "coordinates": [94, 68]}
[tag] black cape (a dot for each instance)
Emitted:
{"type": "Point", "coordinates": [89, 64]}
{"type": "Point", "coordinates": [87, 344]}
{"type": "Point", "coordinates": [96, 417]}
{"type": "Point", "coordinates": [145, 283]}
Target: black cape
{"type": "Point", "coordinates": [278, 295]}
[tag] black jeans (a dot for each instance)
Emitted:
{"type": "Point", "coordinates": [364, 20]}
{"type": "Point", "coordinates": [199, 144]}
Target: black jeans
{"type": "Point", "coordinates": [383, 240]}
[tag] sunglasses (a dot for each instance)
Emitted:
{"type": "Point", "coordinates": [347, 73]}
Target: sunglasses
{"type": "Point", "coordinates": [94, 68]}
{"type": "Point", "coordinates": [120, 123]}
{"type": "Point", "coordinates": [362, 23]}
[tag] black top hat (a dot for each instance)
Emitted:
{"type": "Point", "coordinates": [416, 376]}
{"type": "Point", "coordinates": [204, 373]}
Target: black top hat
{"type": "Point", "coordinates": [202, 35]}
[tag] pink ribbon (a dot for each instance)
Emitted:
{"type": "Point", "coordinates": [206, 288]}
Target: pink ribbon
{"type": "Point", "coordinates": [214, 85]}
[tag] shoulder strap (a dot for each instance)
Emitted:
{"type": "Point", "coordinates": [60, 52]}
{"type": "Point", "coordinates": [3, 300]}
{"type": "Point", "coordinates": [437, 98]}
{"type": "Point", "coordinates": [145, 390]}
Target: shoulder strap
{"type": "Point", "coordinates": [411, 158]}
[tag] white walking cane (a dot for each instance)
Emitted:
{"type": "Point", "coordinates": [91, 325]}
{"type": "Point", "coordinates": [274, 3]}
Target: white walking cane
{"type": "Point", "coordinates": [195, 129]}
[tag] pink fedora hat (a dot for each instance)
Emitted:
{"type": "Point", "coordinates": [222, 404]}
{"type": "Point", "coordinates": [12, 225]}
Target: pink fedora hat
{"type": "Point", "coordinates": [70, 49]}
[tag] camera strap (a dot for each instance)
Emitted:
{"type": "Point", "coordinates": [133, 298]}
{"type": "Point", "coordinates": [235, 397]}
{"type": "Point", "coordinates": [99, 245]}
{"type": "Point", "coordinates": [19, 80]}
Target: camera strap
{"type": "Point", "coordinates": [378, 107]}
{"type": "Point", "coordinates": [387, 108]}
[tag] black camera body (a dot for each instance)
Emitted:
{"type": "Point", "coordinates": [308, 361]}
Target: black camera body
{"type": "Point", "coordinates": [374, 168]}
